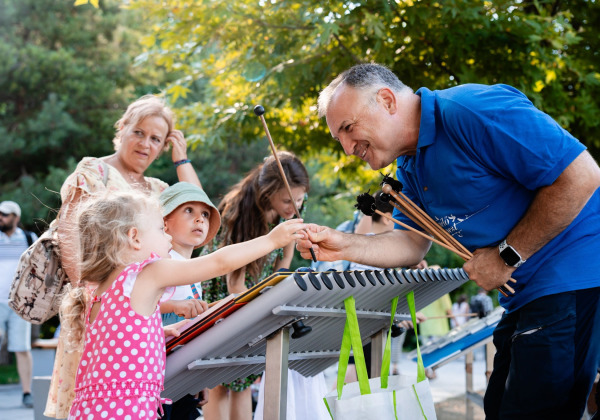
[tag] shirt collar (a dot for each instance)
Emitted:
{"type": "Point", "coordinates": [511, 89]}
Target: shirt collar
{"type": "Point", "coordinates": [18, 233]}
{"type": "Point", "coordinates": [427, 124]}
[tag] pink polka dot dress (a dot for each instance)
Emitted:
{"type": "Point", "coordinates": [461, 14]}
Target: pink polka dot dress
{"type": "Point", "coordinates": [121, 373]}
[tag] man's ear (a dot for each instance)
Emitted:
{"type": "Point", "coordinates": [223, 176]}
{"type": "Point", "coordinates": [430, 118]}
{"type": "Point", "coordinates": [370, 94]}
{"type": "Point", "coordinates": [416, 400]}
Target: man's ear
{"type": "Point", "coordinates": [134, 238]}
{"type": "Point", "coordinates": [387, 222]}
{"type": "Point", "coordinates": [387, 98]}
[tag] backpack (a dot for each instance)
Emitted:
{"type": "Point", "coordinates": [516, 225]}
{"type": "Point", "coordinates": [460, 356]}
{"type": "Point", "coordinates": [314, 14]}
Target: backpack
{"type": "Point", "coordinates": [39, 281]}
{"type": "Point", "coordinates": [341, 265]}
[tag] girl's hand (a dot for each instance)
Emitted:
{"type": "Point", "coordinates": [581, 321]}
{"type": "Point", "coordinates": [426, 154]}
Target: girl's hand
{"type": "Point", "coordinates": [173, 329]}
{"type": "Point", "coordinates": [286, 232]}
{"type": "Point", "coordinates": [179, 144]}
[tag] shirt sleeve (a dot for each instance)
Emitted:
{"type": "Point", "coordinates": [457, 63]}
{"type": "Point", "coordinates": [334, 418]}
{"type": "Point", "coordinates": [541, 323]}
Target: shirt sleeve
{"type": "Point", "coordinates": [501, 129]}
{"type": "Point", "coordinates": [88, 178]}
{"type": "Point", "coordinates": [397, 214]}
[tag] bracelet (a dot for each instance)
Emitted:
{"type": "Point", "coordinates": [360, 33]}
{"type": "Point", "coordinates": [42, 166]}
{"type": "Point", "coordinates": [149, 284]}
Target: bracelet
{"type": "Point", "coordinates": [181, 162]}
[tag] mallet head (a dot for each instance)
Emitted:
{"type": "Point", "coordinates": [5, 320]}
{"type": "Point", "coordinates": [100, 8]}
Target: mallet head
{"type": "Point", "coordinates": [259, 110]}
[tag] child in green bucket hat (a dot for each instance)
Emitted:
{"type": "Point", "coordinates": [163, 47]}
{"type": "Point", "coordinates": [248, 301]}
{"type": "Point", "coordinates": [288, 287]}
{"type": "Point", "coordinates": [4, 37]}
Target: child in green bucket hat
{"type": "Point", "coordinates": [192, 220]}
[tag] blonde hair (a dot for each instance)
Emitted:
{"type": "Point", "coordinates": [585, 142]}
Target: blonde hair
{"type": "Point", "coordinates": [104, 222]}
{"type": "Point", "coordinates": [142, 108]}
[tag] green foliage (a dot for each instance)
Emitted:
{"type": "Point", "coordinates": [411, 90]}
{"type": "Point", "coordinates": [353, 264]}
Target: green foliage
{"type": "Point", "coordinates": [8, 373]}
{"type": "Point", "coordinates": [281, 54]}
{"type": "Point", "coordinates": [65, 77]}
{"type": "Point", "coordinates": [438, 255]}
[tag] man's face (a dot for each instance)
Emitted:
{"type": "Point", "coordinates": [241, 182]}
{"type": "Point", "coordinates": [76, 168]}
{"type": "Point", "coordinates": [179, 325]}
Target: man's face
{"type": "Point", "coordinates": [8, 222]}
{"type": "Point", "coordinates": [367, 125]}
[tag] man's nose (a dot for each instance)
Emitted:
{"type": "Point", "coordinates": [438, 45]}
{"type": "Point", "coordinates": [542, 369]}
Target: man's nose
{"type": "Point", "coordinates": [347, 145]}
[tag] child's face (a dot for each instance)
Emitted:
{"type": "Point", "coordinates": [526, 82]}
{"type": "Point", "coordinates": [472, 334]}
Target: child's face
{"type": "Point", "coordinates": [188, 224]}
{"type": "Point", "coordinates": [282, 204]}
{"type": "Point", "coordinates": [153, 235]}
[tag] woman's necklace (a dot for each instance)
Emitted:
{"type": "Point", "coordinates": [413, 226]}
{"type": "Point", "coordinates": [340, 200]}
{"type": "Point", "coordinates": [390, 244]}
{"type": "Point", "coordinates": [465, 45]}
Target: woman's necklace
{"type": "Point", "coordinates": [142, 185]}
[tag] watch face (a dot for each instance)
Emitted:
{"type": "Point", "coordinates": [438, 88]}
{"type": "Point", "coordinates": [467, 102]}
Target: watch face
{"type": "Point", "coordinates": [509, 256]}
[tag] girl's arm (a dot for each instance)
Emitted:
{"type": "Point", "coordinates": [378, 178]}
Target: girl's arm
{"type": "Point", "coordinates": [236, 281]}
{"type": "Point", "coordinates": [286, 260]}
{"type": "Point", "coordinates": [227, 259]}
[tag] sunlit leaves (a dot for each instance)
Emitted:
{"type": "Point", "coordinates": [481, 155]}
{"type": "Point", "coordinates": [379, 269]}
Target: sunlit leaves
{"type": "Point", "coordinates": [177, 91]}
{"type": "Point", "coordinates": [92, 2]}
{"type": "Point", "coordinates": [235, 54]}
{"type": "Point", "coordinates": [538, 86]}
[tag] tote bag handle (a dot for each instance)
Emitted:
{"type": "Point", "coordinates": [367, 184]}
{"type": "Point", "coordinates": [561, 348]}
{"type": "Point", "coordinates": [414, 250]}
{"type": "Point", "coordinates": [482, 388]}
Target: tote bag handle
{"type": "Point", "coordinates": [351, 339]}
{"type": "Point", "coordinates": [385, 364]}
{"type": "Point", "coordinates": [411, 307]}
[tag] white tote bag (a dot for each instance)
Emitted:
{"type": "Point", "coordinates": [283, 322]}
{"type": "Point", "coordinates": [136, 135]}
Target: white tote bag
{"type": "Point", "coordinates": [401, 397]}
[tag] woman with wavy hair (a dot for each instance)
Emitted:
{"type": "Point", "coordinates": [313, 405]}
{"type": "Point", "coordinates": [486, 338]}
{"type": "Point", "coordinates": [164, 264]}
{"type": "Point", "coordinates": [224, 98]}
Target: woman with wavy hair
{"type": "Point", "coordinates": [251, 209]}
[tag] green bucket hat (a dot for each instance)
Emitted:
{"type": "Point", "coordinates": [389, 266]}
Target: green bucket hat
{"type": "Point", "coordinates": [184, 192]}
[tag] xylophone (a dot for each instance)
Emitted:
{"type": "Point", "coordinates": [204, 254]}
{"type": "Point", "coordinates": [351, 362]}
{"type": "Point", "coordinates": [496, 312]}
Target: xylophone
{"type": "Point", "coordinates": [460, 340]}
{"type": "Point", "coordinates": [243, 333]}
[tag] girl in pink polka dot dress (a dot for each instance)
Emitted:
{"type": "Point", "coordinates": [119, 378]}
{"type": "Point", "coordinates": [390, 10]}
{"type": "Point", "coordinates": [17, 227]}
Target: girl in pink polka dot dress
{"type": "Point", "coordinates": [125, 259]}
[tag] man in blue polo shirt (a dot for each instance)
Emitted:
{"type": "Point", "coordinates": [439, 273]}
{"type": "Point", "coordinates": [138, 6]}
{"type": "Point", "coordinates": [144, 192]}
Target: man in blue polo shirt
{"type": "Point", "coordinates": [518, 191]}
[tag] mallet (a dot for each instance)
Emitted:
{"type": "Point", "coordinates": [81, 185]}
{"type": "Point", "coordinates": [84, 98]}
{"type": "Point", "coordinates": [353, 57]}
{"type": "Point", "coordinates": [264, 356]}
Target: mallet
{"type": "Point", "coordinates": [259, 110]}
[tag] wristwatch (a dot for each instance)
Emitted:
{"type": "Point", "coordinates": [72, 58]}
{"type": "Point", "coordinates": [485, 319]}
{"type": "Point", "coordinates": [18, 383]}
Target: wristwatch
{"type": "Point", "coordinates": [510, 256]}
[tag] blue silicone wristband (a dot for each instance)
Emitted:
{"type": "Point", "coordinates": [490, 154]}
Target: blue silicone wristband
{"type": "Point", "coordinates": [181, 162]}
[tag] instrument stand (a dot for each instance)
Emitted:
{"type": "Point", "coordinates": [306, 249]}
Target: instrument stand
{"type": "Point", "coordinates": [473, 397]}
{"type": "Point", "coordinates": [377, 348]}
{"type": "Point", "coordinates": [276, 374]}
{"type": "Point", "coordinates": [251, 332]}
{"type": "Point", "coordinates": [276, 369]}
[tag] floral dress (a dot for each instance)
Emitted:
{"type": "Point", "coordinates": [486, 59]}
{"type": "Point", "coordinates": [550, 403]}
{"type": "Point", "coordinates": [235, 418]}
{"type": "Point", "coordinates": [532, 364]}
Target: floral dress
{"type": "Point", "coordinates": [216, 289]}
{"type": "Point", "coordinates": [91, 176]}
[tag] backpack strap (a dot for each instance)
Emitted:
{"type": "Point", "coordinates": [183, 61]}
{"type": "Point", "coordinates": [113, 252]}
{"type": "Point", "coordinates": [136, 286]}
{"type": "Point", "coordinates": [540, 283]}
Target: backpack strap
{"type": "Point", "coordinates": [105, 170]}
{"type": "Point", "coordinates": [29, 237]}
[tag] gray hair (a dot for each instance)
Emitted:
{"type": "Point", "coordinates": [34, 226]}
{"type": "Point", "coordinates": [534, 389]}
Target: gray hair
{"type": "Point", "coordinates": [366, 77]}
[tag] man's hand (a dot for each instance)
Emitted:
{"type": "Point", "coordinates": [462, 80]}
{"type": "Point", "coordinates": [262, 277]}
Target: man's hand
{"type": "Point", "coordinates": [327, 243]}
{"type": "Point", "coordinates": [487, 269]}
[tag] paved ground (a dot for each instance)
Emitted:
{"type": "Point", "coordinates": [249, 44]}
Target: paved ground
{"type": "Point", "coordinates": [10, 404]}
{"type": "Point", "coordinates": [448, 392]}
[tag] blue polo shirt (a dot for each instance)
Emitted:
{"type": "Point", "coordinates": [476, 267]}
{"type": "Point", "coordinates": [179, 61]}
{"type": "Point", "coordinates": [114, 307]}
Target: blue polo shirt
{"type": "Point", "coordinates": [482, 154]}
